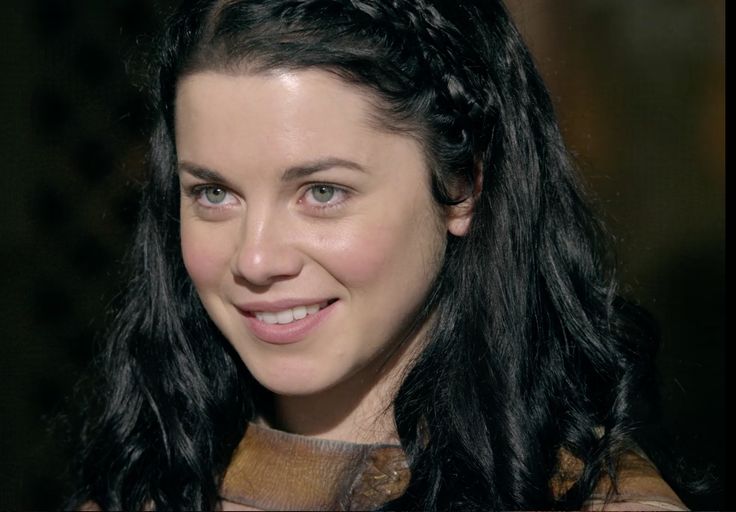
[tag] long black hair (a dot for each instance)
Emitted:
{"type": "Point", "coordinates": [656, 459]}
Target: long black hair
{"type": "Point", "coordinates": [532, 353]}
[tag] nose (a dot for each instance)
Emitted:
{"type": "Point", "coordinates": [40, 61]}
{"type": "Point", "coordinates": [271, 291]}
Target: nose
{"type": "Point", "coordinates": [266, 251]}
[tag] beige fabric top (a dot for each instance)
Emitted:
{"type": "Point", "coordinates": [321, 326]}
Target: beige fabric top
{"type": "Point", "coordinates": [274, 470]}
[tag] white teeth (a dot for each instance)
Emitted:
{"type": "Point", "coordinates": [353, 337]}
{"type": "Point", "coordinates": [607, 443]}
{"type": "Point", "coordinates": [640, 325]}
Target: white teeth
{"type": "Point", "coordinates": [285, 317]}
{"type": "Point", "coordinates": [288, 315]}
{"type": "Point", "coordinates": [269, 318]}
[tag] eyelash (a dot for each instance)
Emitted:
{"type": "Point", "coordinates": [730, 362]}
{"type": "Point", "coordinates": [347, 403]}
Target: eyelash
{"type": "Point", "coordinates": [324, 207]}
{"type": "Point", "coordinates": [197, 193]}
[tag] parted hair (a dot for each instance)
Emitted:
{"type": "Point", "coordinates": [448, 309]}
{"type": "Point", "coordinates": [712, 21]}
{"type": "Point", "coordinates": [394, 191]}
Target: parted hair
{"type": "Point", "coordinates": [532, 349]}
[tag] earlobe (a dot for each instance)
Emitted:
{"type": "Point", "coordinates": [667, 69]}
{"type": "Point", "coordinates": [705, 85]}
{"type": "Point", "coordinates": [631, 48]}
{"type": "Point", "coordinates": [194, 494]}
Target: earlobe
{"type": "Point", "coordinates": [460, 215]}
{"type": "Point", "coordinates": [458, 223]}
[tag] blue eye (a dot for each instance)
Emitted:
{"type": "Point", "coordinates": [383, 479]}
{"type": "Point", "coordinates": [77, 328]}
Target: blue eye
{"type": "Point", "coordinates": [215, 195]}
{"type": "Point", "coordinates": [323, 193]}
{"type": "Point", "coordinates": [212, 196]}
{"type": "Point", "coordinates": [323, 198]}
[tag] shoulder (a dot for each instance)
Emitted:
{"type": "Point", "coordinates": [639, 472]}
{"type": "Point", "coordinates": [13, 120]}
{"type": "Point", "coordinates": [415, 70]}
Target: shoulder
{"type": "Point", "coordinates": [639, 486]}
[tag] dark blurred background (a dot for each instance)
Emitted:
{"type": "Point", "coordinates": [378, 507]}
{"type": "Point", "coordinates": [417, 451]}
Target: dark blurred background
{"type": "Point", "coordinates": [640, 91]}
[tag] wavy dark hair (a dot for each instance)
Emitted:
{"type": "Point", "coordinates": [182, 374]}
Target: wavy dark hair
{"type": "Point", "coordinates": [533, 349]}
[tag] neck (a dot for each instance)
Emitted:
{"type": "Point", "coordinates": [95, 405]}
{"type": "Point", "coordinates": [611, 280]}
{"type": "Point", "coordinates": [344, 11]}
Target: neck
{"type": "Point", "coordinates": [359, 409]}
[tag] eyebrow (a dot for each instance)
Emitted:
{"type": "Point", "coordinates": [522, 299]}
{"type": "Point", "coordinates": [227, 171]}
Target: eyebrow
{"type": "Point", "coordinates": [201, 173]}
{"type": "Point", "coordinates": [309, 168]}
{"type": "Point", "coordinates": [290, 174]}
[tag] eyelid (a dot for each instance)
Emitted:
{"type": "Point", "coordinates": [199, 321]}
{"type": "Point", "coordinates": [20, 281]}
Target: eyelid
{"type": "Point", "coordinates": [344, 192]}
{"type": "Point", "coordinates": [197, 191]}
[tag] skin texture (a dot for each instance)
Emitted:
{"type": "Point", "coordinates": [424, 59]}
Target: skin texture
{"type": "Point", "coordinates": [253, 229]}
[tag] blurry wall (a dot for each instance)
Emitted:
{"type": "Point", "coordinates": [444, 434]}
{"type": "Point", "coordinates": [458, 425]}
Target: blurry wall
{"type": "Point", "coordinates": [639, 88]}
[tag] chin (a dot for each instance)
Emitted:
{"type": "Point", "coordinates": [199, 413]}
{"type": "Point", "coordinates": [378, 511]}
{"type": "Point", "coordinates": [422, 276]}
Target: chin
{"type": "Point", "coordinates": [294, 388]}
{"type": "Point", "coordinates": [293, 381]}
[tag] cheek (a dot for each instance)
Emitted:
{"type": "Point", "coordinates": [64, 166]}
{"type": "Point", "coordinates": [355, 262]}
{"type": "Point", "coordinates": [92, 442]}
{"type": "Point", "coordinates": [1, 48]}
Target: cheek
{"type": "Point", "coordinates": [357, 258]}
{"type": "Point", "coordinates": [395, 254]}
{"type": "Point", "coordinates": [205, 257]}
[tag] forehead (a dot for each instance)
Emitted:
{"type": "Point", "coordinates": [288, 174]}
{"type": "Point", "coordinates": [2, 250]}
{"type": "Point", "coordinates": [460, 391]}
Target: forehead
{"type": "Point", "coordinates": [275, 92]}
{"type": "Point", "coordinates": [279, 117]}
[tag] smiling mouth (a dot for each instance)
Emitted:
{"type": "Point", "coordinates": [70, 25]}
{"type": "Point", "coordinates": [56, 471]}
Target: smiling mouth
{"type": "Point", "coordinates": [290, 315]}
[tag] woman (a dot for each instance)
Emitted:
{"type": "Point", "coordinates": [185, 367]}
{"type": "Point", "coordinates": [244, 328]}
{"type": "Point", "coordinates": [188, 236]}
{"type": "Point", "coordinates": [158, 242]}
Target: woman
{"type": "Point", "coordinates": [365, 276]}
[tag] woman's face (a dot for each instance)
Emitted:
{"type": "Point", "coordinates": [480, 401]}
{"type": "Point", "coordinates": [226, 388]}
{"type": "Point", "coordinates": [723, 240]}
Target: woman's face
{"type": "Point", "coordinates": [310, 233]}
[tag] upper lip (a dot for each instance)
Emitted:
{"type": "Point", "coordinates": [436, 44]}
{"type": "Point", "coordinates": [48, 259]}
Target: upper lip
{"type": "Point", "coordinates": [279, 305]}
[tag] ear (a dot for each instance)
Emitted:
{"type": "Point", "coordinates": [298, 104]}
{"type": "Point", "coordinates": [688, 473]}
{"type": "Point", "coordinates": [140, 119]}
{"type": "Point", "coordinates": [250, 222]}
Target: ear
{"type": "Point", "coordinates": [460, 215]}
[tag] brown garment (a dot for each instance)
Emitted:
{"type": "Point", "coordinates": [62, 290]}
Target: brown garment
{"type": "Point", "coordinates": [639, 485]}
{"type": "Point", "coordinates": [273, 470]}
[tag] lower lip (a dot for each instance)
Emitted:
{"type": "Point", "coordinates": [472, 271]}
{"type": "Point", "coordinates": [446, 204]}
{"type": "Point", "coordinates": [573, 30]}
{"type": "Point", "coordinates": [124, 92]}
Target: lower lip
{"type": "Point", "coordinates": [284, 334]}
